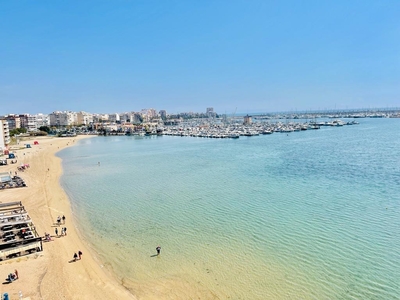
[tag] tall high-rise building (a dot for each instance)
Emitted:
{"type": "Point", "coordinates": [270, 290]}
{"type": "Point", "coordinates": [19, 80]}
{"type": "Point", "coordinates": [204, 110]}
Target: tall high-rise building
{"type": "Point", "coordinates": [163, 114]}
{"type": "Point", "coordinates": [247, 120]}
{"type": "Point", "coordinates": [148, 114]}
{"type": "Point", "coordinates": [4, 135]}
{"type": "Point", "coordinates": [210, 112]}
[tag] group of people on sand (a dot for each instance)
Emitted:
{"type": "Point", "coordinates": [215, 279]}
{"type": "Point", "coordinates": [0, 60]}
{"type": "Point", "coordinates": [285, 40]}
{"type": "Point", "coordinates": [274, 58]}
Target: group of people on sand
{"type": "Point", "coordinates": [12, 276]}
{"type": "Point", "coordinates": [23, 167]}
{"type": "Point", "coordinates": [47, 237]}
{"type": "Point", "coordinates": [78, 255]}
{"type": "Point", "coordinates": [63, 231]}
{"type": "Point", "coordinates": [59, 220]}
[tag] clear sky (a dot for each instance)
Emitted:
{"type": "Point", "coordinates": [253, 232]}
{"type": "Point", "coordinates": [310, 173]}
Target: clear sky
{"type": "Point", "coordinates": [253, 56]}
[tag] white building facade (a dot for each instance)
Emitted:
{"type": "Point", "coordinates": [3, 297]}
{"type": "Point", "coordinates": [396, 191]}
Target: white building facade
{"type": "Point", "coordinates": [62, 118]}
{"type": "Point", "coordinates": [84, 118]}
{"type": "Point", "coordinates": [4, 135]}
{"type": "Point", "coordinates": [42, 120]}
{"type": "Point", "coordinates": [28, 121]}
{"type": "Point", "coordinates": [114, 118]}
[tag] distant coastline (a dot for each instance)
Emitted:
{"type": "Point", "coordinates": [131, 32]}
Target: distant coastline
{"type": "Point", "coordinates": [392, 112]}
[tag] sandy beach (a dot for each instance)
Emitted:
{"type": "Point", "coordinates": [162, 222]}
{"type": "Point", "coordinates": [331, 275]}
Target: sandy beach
{"type": "Point", "coordinates": [50, 274]}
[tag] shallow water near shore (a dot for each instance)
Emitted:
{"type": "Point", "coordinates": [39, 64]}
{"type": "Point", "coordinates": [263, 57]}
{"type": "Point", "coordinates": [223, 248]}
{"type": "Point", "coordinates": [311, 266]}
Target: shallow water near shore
{"type": "Point", "coordinates": [309, 215]}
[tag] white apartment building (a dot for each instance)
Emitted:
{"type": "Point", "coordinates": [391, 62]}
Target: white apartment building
{"type": "Point", "coordinates": [114, 118]}
{"type": "Point", "coordinates": [136, 118]}
{"type": "Point", "coordinates": [97, 118]}
{"type": "Point", "coordinates": [148, 114]}
{"type": "Point", "coordinates": [62, 118]}
{"type": "Point", "coordinates": [84, 118]}
{"type": "Point", "coordinates": [127, 117]}
{"type": "Point", "coordinates": [28, 121]}
{"type": "Point", "coordinates": [42, 120]}
{"type": "Point", "coordinates": [4, 135]}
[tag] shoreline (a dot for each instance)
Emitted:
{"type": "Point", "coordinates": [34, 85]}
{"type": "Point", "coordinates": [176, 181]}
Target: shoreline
{"type": "Point", "coordinates": [50, 274]}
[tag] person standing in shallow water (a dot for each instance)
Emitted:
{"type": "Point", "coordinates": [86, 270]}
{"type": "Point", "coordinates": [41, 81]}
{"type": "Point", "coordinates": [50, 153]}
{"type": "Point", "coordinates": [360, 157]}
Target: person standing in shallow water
{"type": "Point", "coordinates": [158, 248]}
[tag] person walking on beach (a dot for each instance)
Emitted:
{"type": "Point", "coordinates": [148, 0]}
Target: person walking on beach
{"type": "Point", "coordinates": [158, 248]}
{"type": "Point", "coordinates": [58, 220]}
{"type": "Point", "coordinates": [80, 254]}
{"type": "Point", "coordinates": [63, 219]}
{"type": "Point", "coordinates": [56, 230]}
{"type": "Point", "coordinates": [75, 256]}
{"type": "Point", "coordinates": [65, 230]}
{"type": "Point", "coordinates": [16, 274]}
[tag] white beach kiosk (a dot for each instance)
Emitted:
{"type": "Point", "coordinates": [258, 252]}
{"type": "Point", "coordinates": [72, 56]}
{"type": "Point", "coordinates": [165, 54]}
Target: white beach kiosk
{"type": "Point", "coordinates": [5, 177]}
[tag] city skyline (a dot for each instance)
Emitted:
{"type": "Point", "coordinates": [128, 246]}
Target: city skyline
{"type": "Point", "coordinates": [243, 57]}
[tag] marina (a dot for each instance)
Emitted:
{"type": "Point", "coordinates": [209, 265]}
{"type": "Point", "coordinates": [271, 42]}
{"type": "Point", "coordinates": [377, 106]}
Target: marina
{"type": "Point", "coordinates": [221, 130]}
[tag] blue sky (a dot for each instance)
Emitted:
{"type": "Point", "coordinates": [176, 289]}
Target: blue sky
{"type": "Point", "coordinates": [253, 56]}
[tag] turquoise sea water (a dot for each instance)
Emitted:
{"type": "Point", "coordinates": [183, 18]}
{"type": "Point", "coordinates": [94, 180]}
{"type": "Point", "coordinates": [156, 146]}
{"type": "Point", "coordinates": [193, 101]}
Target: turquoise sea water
{"type": "Point", "coordinates": [309, 215]}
